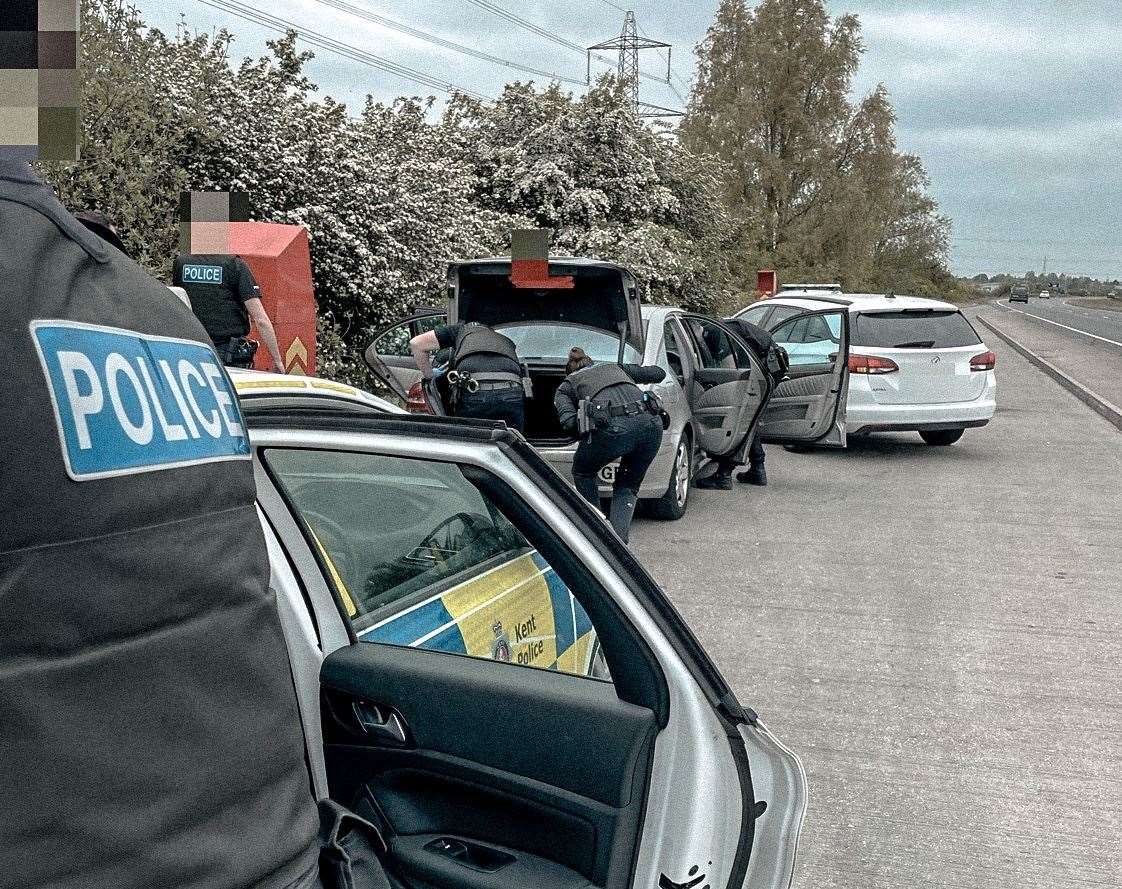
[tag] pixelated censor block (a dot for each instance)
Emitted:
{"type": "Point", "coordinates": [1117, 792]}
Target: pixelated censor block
{"type": "Point", "coordinates": [205, 218]}
{"type": "Point", "coordinates": [39, 92]}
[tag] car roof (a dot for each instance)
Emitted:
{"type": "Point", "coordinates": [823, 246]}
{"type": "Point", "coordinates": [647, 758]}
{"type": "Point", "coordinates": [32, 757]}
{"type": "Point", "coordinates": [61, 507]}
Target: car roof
{"type": "Point", "coordinates": [253, 385]}
{"type": "Point", "coordinates": [855, 302]}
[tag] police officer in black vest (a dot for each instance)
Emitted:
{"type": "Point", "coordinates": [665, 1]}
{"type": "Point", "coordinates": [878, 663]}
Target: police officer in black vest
{"type": "Point", "coordinates": [616, 421]}
{"type": "Point", "coordinates": [225, 297]}
{"type": "Point", "coordinates": [774, 359]}
{"type": "Point", "coordinates": [485, 378]}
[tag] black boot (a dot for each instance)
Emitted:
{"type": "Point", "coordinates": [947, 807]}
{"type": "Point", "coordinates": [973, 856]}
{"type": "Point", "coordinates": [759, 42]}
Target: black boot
{"type": "Point", "coordinates": [753, 475]}
{"type": "Point", "coordinates": [718, 481]}
{"type": "Point", "coordinates": [623, 508]}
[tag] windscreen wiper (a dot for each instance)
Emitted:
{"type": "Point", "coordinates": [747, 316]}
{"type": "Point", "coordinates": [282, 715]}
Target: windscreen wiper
{"type": "Point", "coordinates": [917, 344]}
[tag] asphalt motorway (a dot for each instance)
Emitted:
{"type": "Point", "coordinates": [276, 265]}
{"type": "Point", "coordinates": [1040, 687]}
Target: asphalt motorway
{"type": "Point", "coordinates": [1105, 325]}
{"type": "Point", "coordinates": [938, 633]}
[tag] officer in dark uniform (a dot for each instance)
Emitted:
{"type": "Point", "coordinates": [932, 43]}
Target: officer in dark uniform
{"type": "Point", "coordinates": [225, 298]}
{"type": "Point", "coordinates": [616, 421]}
{"type": "Point", "coordinates": [135, 585]}
{"type": "Point", "coordinates": [773, 358]}
{"type": "Point", "coordinates": [485, 378]}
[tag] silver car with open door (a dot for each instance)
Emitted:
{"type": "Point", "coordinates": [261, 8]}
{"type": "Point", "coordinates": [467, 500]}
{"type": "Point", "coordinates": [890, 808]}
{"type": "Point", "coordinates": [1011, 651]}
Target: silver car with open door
{"type": "Point", "coordinates": [485, 756]}
{"type": "Point", "coordinates": [713, 391]}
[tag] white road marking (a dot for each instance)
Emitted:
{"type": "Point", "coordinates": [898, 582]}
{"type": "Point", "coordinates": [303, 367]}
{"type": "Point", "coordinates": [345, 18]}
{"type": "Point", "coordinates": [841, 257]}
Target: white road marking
{"type": "Point", "coordinates": [1093, 336]}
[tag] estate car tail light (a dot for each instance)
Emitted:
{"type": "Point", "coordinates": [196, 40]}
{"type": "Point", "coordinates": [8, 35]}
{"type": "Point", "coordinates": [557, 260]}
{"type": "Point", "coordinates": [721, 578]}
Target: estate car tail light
{"type": "Point", "coordinates": [871, 364]}
{"type": "Point", "coordinates": [985, 361]}
{"type": "Point", "coordinates": [415, 401]}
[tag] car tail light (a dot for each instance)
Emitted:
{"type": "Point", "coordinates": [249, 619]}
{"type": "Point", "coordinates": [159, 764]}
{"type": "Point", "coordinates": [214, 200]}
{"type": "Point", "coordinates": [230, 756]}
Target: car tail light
{"type": "Point", "coordinates": [870, 364]}
{"type": "Point", "coordinates": [985, 361]}
{"type": "Point", "coordinates": [415, 401]}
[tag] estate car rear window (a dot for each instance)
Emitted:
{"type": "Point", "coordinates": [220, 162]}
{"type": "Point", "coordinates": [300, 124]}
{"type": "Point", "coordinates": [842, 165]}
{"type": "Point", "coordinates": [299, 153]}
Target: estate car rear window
{"type": "Point", "coordinates": [922, 329]}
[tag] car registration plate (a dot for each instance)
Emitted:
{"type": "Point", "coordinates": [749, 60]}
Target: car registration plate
{"type": "Point", "coordinates": [607, 475]}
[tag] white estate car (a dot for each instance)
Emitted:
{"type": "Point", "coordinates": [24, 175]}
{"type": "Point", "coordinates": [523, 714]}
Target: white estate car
{"type": "Point", "coordinates": [440, 587]}
{"type": "Point", "coordinates": [915, 364]}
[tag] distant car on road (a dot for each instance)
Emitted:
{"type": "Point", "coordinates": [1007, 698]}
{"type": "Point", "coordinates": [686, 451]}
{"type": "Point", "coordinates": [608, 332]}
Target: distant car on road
{"type": "Point", "coordinates": [915, 364]}
{"type": "Point", "coordinates": [1019, 294]}
{"type": "Point", "coordinates": [1045, 294]}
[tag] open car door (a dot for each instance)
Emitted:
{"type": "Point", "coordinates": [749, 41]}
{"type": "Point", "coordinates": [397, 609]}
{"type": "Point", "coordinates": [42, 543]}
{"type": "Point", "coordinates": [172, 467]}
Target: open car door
{"type": "Point", "coordinates": [808, 405]}
{"type": "Point", "coordinates": [504, 691]}
{"type": "Point", "coordinates": [388, 355]}
{"type": "Point", "coordinates": [728, 389]}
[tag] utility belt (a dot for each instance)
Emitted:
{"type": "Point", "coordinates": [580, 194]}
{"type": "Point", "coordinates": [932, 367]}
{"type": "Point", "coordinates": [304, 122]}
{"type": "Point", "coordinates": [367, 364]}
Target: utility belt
{"type": "Point", "coordinates": [237, 352]}
{"type": "Point", "coordinates": [592, 415]}
{"type": "Point", "coordinates": [461, 381]}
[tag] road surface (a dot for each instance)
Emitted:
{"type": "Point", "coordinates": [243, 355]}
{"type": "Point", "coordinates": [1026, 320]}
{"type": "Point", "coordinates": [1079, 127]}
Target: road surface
{"type": "Point", "coordinates": [938, 632]}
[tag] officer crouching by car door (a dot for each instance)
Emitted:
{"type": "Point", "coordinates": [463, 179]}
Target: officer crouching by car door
{"type": "Point", "coordinates": [616, 420]}
{"type": "Point", "coordinates": [225, 297]}
{"type": "Point", "coordinates": [485, 378]}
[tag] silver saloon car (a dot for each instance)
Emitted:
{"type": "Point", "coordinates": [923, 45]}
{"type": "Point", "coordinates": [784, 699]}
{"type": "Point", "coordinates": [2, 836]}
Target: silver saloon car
{"type": "Point", "coordinates": [715, 389]}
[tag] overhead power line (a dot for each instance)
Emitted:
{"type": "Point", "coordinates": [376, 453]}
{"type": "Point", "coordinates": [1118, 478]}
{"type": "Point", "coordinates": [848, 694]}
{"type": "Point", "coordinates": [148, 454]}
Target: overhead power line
{"type": "Point", "coordinates": [436, 40]}
{"type": "Point", "coordinates": [338, 47]}
{"type": "Point", "coordinates": [534, 28]}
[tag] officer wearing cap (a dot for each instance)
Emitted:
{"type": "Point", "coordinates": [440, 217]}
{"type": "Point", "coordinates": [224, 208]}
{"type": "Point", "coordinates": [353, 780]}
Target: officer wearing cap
{"type": "Point", "coordinates": [485, 378]}
{"type": "Point", "coordinates": [225, 298]}
{"type": "Point", "coordinates": [616, 421]}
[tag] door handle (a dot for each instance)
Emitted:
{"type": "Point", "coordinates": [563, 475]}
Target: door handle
{"type": "Point", "coordinates": [380, 723]}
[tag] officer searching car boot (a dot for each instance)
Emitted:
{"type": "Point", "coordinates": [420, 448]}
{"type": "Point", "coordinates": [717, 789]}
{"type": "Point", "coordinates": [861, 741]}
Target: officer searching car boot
{"type": "Point", "coordinates": [775, 361]}
{"type": "Point", "coordinates": [225, 297]}
{"type": "Point", "coordinates": [616, 420]}
{"type": "Point", "coordinates": [485, 378]}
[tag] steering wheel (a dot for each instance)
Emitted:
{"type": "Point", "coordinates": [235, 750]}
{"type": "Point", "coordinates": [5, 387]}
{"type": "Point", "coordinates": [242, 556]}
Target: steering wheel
{"type": "Point", "coordinates": [447, 539]}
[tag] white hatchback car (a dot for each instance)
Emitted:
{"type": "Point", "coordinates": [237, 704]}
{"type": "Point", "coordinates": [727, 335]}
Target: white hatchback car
{"type": "Point", "coordinates": [915, 364]}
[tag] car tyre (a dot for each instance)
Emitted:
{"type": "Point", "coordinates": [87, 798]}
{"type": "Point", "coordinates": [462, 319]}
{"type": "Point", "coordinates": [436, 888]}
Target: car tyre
{"type": "Point", "coordinates": [941, 437]}
{"type": "Point", "coordinates": [672, 505]}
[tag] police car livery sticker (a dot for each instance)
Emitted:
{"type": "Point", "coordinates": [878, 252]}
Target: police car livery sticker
{"type": "Point", "coordinates": [127, 402]}
{"type": "Point", "coordinates": [202, 274]}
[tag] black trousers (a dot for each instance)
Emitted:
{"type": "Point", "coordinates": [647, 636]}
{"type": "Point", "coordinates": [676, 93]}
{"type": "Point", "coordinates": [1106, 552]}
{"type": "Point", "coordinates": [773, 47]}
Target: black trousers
{"type": "Point", "coordinates": [634, 441]}
{"type": "Point", "coordinates": [494, 404]}
{"type": "Point", "coordinates": [726, 465]}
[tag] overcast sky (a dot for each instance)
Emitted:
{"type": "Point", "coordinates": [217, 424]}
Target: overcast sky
{"type": "Point", "coordinates": [1017, 114]}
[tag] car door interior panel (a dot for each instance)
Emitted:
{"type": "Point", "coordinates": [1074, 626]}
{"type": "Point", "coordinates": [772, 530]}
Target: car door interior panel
{"type": "Point", "coordinates": [489, 773]}
{"type": "Point", "coordinates": [805, 405]}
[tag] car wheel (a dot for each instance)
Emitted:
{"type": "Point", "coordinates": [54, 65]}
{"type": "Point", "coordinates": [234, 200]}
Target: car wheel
{"type": "Point", "coordinates": [671, 506]}
{"type": "Point", "coordinates": [941, 437]}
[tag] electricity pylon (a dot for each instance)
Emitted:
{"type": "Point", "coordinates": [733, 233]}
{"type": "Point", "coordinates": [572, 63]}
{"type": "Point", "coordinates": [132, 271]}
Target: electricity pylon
{"type": "Point", "coordinates": [629, 44]}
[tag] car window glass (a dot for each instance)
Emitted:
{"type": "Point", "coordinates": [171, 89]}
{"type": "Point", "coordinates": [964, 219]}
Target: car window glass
{"type": "Point", "coordinates": [810, 339]}
{"type": "Point", "coordinates": [422, 558]}
{"type": "Point", "coordinates": [755, 314]}
{"type": "Point", "coordinates": [782, 313]}
{"type": "Point", "coordinates": [718, 349]}
{"type": "Point", "coordinates": [676, 360]}
{"type": "Point", "coordinates": [922, 329]}
{"type": "Point", "coordinates": [543, 341]}
{"type": "Point", "coordinates": [394, 342]}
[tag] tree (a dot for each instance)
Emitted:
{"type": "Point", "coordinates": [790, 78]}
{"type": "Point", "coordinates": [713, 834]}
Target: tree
{"type": "Point", "coordinates": [610, 186]}
{"type": "Point", "coordinates": [818, 184]}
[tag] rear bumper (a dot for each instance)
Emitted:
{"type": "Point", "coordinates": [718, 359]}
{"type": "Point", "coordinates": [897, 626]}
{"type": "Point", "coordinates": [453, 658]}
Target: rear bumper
{"type": "Point", "coordinates": [864, 414]}
{"type": "Point", "coordinates": [915, 427]}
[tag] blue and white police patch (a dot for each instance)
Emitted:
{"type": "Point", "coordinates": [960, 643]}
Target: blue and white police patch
{"type": "Point", "coordinates": [127, 402]}
{"type": "Point", "coordinates": [202, 274]}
